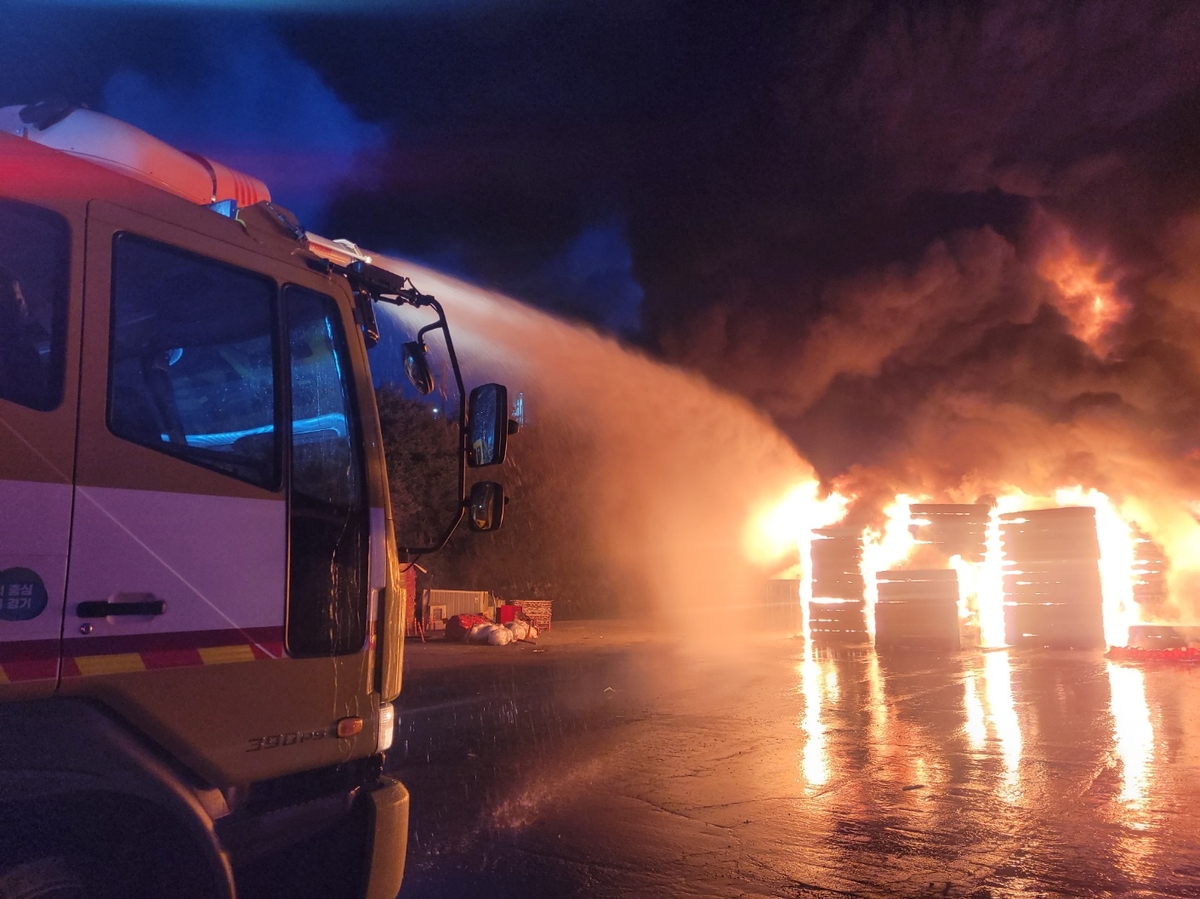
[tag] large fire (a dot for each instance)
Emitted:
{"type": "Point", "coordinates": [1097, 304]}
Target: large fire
{"type": "Point", "coordinates": [894, 544]}
{"type": "Point", "coordinates": [791, 524]}
{"type": "Point", "coordinates": [1040, 478]}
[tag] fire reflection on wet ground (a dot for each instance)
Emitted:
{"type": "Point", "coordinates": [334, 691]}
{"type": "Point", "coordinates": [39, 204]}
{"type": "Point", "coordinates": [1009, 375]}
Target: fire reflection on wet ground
{"type": "Point", "coordinates": [783, 772]}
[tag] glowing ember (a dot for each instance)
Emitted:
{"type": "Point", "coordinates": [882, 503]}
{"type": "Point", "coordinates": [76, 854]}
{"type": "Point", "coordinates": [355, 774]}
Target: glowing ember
{"type": "Point", "coordinates": [1141, 654]}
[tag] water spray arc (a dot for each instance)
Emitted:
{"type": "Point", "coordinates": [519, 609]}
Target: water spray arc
{"type": "Point", "coordinates": [668, 468]}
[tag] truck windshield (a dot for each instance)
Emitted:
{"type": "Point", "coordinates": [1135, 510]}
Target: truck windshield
{"type": "Point", "coordinates": [34, 248]}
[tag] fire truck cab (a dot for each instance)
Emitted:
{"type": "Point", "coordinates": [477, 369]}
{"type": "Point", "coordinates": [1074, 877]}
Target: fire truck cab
{"type": "Point", "coordinates": [201, 601]}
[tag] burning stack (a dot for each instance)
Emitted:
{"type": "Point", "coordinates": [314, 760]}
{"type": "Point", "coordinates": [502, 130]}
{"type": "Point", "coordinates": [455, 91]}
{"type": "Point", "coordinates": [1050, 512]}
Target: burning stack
{"type": "Point", "coordinates": [837, 613]}
{"type": "Point", "coordinates": [1052, 578]}
{"type": "Point", "coordinates": [1150, 594]}
{"type": "Point", "coordinates": [1150, 573]}
{"type": "Point", "coordinates": [917, 608]}
{"type": "Point", "coordinates": [954, 528]}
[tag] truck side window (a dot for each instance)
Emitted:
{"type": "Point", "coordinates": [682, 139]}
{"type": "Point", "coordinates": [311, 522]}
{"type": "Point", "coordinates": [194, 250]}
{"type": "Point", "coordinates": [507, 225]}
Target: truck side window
{"type": "Point", "coordinates": [34, 252]}
{"type": "Point", "coordinates": [328, 525]}
{"type": "Point", "coordinates": [192, 360]}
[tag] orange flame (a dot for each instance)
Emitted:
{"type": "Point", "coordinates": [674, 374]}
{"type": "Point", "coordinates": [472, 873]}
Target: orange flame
{"type": "Point", "coordinates": [981, 584]}
{"type": "Point", "coordinates": [886, 548]}
{"type": "Point", "coordinates": [1090, 303]}
{"type": "Point", "coordinates": [789, 525]}
{"type": "Point", "coordinates": [1117, 572]}
{"type": "Point", "coordinates": [1117, 568]}
{"type": "Point", "coordinates": [780, 528]}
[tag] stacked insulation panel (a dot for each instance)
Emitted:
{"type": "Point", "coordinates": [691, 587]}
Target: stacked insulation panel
{"type": "Point", "coordinates": [957, 529]}
{"type": "Point", "coordinates": [944, 530]}
{"type": "Point", "coordinates": [1052, 592]}
{"type": "Point", "coordinates": [1150, 574]}
{"type": "Point", "coordinates": [782, 611]}
{"type": "Point", "coordinates": [838, 611]}
{"type": "Point", "coordinates": [917, 608]}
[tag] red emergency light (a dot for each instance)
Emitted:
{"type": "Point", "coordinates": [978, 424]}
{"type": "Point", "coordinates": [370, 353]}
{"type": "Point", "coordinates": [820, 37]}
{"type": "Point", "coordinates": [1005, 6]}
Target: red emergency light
{"type": "Point", "coordinates": [120, 146]}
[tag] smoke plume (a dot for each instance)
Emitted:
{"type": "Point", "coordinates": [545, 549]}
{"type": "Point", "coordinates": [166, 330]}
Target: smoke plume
{"type": "Point", "coordinates": [1011, 303]}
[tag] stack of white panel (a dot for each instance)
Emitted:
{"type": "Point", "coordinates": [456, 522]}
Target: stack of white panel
{"type": "Point", "coordinates": [462, 602]}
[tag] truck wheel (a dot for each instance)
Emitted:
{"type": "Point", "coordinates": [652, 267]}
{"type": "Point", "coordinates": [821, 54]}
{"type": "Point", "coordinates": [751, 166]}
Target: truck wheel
{"type": "Point", "coordinates": [49, 877]}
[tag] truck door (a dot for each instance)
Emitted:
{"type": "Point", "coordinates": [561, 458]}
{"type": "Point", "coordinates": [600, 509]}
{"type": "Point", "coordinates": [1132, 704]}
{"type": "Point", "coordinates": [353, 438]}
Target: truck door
{"type": "Point", "coordinates": [38, 396]}
{"type": "Point", "coordinates": [179, 550]}
{"type": "Point", "coordinates": [198, 512]}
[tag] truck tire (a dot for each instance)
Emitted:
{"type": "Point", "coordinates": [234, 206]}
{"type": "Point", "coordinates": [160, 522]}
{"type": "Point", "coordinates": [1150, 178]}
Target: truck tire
{"type": "Point", "coordinates": [48, 877]}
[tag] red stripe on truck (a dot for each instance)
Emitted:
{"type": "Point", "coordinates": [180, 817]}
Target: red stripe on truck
{"type": "Point", "coordinates": [133, 652]}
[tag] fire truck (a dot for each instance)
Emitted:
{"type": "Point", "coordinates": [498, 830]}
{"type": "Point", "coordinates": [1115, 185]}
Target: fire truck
{"type": "Point", "coordinates": [201, 595]}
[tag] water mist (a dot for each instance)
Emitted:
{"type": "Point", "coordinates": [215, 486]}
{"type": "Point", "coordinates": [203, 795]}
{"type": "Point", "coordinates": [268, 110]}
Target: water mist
{"type": "Point", "coordinates": [674, 470]}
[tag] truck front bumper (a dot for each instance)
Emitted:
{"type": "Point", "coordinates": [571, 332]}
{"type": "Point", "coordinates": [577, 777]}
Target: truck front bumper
{"type": "Point", "coordinates": [389, 812]}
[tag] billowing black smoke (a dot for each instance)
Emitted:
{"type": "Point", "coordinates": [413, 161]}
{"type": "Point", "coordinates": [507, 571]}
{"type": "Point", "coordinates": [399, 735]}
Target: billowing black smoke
{"type": "Point", "coordinates": [885, 248]}
{"type": "Point", "coordinates": [966, 262]}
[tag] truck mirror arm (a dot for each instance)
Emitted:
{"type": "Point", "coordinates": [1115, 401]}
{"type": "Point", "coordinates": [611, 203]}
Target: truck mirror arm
{"type": "Point", "coordinates": [423, 300]}
{"type": "Point", "coordinates": [386, 287]}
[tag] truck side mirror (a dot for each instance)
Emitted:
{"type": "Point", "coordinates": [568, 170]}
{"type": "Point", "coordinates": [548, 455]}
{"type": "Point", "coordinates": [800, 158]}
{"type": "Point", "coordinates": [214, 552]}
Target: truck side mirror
{"type": "Point", "coordinates": [487, 423]}
{"type": "Point", "coordinates": [485, 507]}
{"type": "Point", "coordinates": [416, 366]}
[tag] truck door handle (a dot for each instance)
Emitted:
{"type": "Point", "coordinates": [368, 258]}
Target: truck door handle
{"type": "Point", "coordinates": [144, 604]}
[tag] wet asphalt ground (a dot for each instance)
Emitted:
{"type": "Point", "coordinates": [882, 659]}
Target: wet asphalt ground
{"type": "Point", "coordinates": [606, 763]}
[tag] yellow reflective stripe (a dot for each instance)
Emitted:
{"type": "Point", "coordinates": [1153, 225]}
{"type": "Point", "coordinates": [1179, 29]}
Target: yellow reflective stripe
{"type": "Point", "coordinates": [223, 655]}
{"type": "Point", "coordinates": [117, 663]}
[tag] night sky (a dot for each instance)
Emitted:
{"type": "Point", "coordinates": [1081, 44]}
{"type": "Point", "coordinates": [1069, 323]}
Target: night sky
{"type": "Point", "coordinates": [828, 208]}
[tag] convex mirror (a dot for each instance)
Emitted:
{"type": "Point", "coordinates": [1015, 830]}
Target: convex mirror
{"type": "Point", "coordinates": [416, 366]}
{"type": "Point", "coordinates": [485, 507]}
{"type": "Point", "coordinates": [487, 425]}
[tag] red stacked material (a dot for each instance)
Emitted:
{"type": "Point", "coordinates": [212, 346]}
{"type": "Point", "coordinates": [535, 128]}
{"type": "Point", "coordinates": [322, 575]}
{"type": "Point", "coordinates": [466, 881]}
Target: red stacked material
{"type": "Point", "coordinates": [458, 626]}
{"type": "Point", "coordinates": [1140, 654]}
{"type": "Point", "coordinates": [538, 611]}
